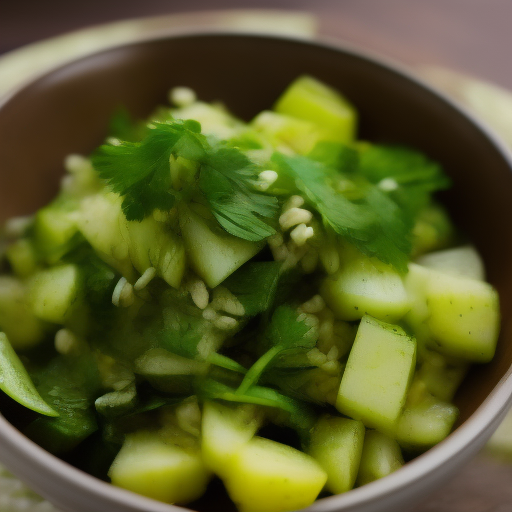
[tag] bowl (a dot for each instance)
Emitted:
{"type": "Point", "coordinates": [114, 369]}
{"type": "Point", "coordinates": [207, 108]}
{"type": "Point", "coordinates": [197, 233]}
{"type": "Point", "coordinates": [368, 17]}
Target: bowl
{"type": "Point", "coordinates": [67, 111]}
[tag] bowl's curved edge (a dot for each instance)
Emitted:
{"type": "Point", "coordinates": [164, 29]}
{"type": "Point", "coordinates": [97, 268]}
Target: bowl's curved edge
{"type": "Point", "coordinates": [420, 473]}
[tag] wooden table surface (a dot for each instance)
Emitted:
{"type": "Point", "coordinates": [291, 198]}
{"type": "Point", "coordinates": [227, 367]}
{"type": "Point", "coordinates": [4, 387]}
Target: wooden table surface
{"type": "Point", "coordinates": [471, 36]}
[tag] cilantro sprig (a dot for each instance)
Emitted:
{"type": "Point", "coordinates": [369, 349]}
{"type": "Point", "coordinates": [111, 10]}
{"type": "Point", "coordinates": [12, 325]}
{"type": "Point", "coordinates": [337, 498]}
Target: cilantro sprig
{"type": "Point", "coordinates": [140, 173]}
{"type": "Point", "coordinates": [345, 188]}
{"type": "Point", "coordinates": [288, 330]}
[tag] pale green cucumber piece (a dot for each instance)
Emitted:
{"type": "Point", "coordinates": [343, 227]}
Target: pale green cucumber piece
{"type": "Point", "coordinates": [433, 230]}
{"type": "Point", "coordinates": [425, 424]}
{"type": "Point", "coordinates": [464, 317]}
{"type": "Point", "coordinates": [17, 319]}
{"type": "Point", "coordinates": [311, 100]}
{"type": "Point", "coordinates": [54, 227]}
{"type": "Point", "coordinates": [266, 476]}
{"type": "Point", "coordinates": [16, 382]}
{"type": "Point", "coordinates": [224, 431]}
{"type": "Point", "coordinates": [169, 372]}
{"type": "Point", "coordinates": [415, 283]}
{"type": "Point", "coordinates": [460, 261]}
{"type": "Point", "coordinates": [54, 292]}
{"type": "Point", "coordinates": [22, 257]}
{"type": "Point", "coordinates": [440, 375]}
{"type": "Point", "coordinates": [213, 256]}
{"type": "Point", "coordinates": [366, 286]}
{"type": "Point", "coordinates": [336, 444]}
{"type": "Point", "coordinates": [99, 220]}
{"type": "Point", "coordinates": [381, 456]}
{"type": "Point", "coordinates": [280, 129]}
{"type": "Point", "coordinates": [377, 376]}
{"type": "Point", "coordinates": [150, 244]}
{"type": "Point", "coordinates": [150, 465]}
{"type": "Point", "coordinates": [214, 119]}
{"type": "Point", "coordinates": [124, 245]}
{"type": "Point", "coordinates": [118, 402]}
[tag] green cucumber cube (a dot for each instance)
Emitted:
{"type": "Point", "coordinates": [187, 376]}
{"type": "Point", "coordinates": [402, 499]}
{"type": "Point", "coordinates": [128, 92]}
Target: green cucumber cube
{"type": "Point", "coordinates": [266, 476]}
{"type": "Point", "coordinates": [213, 256]}
{"type": "Point", "coordinates": [150, 244]}
{"type": "Point", "coordinates": [17, 319]}
{"type": "Point", "coordinates": [280, 129]}
{"type": "Point", "coordinates": [22, 257]}
{"type": "Point", "coordinates": [425, 424]}
{"type": "Point", "coordinates": [336, 444]}
{"type": "Point", "coordinates": [381, 456]}
{"type": "Point", "coordinates": [377, 376]}
{"type": "Point", "coordinates": [54, 292]}
{"type": "Point", "coordinates": [311, 100]}
{"type": "Point", "coordinates": [460, 261]}
{"type": "Point", "coordinates": [153, 466]}
{"type": "Point", "coordinates": [224, 431]}
{"type": "Point", "coordinates": [366, 286]}
{"type": "Point", "coordinates": [464, 317]}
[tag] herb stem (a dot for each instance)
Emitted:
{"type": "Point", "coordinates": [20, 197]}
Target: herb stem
{"type": "Point", "coordinates": [254, 372]}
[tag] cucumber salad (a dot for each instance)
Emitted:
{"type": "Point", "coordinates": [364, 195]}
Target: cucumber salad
{"type": "Point", "coordinates": [274, 310]}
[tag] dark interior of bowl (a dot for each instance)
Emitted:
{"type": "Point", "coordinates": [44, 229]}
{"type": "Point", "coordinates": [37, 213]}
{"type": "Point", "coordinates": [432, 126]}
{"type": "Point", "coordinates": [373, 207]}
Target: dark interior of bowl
{"type": "Point", "coordinates": [68, 111]}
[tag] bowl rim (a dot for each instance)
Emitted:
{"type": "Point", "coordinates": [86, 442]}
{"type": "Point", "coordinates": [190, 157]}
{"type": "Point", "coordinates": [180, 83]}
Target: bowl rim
{"type": "Point", "coordinates": [469, 436]}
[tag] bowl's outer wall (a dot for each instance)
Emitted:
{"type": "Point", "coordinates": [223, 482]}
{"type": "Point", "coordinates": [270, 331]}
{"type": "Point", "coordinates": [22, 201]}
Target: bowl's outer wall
{"type": "Point", "coordinates": [68, 111]}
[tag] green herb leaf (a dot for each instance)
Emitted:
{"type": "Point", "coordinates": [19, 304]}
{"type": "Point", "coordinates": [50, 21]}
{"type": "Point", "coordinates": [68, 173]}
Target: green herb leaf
{"type": "Point", "coordinates": [255, 285]}
{"type": "Point", "coordinates": [140, 171]}
{"type": "Point", "coordinates": [16, 382]}
{"type": "Point", "coordinates": [227, 180]}
{"type": "Point", "coordinates": [288, 330]}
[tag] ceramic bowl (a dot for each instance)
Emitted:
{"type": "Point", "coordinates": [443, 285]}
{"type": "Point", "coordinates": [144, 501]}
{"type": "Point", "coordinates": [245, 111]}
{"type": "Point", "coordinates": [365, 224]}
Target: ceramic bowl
{"type": "Point", "coordinates": [67, 111]}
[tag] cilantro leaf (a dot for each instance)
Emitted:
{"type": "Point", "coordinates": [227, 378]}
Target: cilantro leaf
{"type": "Point", "coordinates": [288, 330]}
{"type": "Point", "coordinates": [255, 285]}
{"type": "Point", "coordinates": [140, 171]}
{"type": "Point", "coordinates": [415, 175]}
{"type": "Point", "coordinates": [367, 218]}
{"type": "Point", "coordinates": [227, 180]}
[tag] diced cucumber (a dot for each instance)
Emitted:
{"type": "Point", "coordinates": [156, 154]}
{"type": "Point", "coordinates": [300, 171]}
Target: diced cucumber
{"type": "Point", "coordinates": [267, 476]}
{"type": "Point", "coordinates": [433, 230]}
{"type": "Point", "coordinates": [16, 383]}
{"type": "Point", "coordinates": [167, 371]}
{"type": "Point", "coordinates": [464, 317]}
{"type": "Point", "coordinates": [22, 257]}
{"type": "Point", "coordinates": [99, 220]}
{"type": "Point", "coordinates": [336, 444]}
{"type": "Point", "coordinates": [213, 256]}
{"type": "Point", "coordinates": [440, 375]}
{"type": "Point", "coordinates": [54, 292]}
{"type": "Point", "coordinates": [365, 286]}
{"type": "Point", "coordinates": [153, 466]}
{"type": "Point", "coordinates": [150, 244]}
{"type": "Point", "coordinates": [17, 319]}
{"type": "Point", "coordinates": [280, 129]}
{"type": "Point", "coordinates": [54, 227]}
{"type": "Point", "coordinates": [224, 431]}
{"type": "Point", "coordinates": [124, 245]}
{"type": "Point", "coordinates": [311, 100]}
{"type": "Point", "coordinates": [118, 402]}
{"type": "Point", "coordinates": [381, 456]}
{"type": "Point", "coordinates": [214, 119]}
{"type": "Point", "coordinates": [377, 376]}
{"type": "Point", "coordinates": [425, 424]}
{"type": "Point", "coordinates": [460, 261]}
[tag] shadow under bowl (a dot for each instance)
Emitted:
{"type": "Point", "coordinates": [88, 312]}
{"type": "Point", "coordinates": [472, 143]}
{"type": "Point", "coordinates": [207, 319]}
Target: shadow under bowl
{"type": "Point", "coordinates": [67, 111]}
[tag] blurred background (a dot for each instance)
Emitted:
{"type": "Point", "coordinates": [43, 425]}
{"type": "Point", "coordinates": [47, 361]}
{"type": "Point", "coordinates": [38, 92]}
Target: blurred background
{"type": "Point", "coordinates": [473, 36]}
{"type": "Point", "coordinates": [462, 46]}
